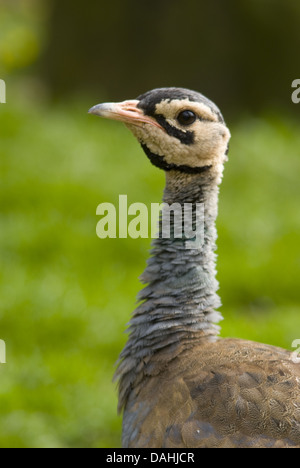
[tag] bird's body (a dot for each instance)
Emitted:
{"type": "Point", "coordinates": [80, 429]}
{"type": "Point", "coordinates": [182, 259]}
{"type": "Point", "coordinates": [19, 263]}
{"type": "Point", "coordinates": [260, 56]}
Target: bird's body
{"type": "Point", "coordinates": [227, 393]}
{"type": "Point", "coordinates": [179, 384]}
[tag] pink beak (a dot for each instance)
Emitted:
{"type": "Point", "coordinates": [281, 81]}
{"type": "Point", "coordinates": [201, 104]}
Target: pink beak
{"type": "Point", "coordinates": [126, 111]}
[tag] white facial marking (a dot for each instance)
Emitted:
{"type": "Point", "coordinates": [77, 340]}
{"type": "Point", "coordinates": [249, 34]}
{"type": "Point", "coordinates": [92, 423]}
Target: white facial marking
{"type": "Point", "coordinates": [210, 136]}
{"type": "Point", "coordinates": [170, 109]}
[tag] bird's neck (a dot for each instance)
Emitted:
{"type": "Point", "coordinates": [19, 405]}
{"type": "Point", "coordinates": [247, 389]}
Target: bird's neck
{"type": "Point", "coordinates": [178, 305]}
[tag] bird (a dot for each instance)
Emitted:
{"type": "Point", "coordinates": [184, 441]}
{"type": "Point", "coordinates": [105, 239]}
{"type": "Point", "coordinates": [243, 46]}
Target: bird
{"type": "Point", "coordinates": [180, 384]}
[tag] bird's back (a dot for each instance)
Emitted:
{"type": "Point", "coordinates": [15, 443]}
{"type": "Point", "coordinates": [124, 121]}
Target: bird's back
{"type": "Point", "coordinates": [230, 393]}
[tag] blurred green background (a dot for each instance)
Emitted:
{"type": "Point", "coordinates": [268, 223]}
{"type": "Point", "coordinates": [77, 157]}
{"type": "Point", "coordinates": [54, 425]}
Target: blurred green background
{"type": "Point", "coordinates": [66, 295]}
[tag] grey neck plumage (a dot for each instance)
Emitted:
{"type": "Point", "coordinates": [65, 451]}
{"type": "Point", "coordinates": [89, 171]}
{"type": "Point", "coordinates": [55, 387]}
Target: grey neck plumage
{"type": "Point", "coordinates": [180, 300]}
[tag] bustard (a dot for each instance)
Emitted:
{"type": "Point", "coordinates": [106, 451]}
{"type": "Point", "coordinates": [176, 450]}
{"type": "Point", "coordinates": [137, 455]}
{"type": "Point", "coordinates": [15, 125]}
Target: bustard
{"type": "Point", "coordinates": [180, 385]}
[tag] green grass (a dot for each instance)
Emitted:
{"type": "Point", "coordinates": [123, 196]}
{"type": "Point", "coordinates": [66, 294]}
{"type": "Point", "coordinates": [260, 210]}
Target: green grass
{"type": "Point", "coordinates": [66, 295]}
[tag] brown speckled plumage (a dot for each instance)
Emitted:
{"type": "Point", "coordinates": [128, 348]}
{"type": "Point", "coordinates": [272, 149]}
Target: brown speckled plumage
{"type": "Point", "coordinates": [229, 393]}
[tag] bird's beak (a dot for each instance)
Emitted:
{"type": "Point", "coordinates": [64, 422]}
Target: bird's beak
{"type": "Point", "coordinates": [126, 111]}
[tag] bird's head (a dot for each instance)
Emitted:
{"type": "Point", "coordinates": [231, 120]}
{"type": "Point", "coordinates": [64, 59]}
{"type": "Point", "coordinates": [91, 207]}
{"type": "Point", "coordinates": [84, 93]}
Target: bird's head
{"type": "Point", "coordinates": [178, 129]}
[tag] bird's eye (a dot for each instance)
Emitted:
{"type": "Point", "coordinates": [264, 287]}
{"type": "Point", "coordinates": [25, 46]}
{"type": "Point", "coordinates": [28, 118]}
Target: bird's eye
{"type": "Point", "coordinates": [186, 117]}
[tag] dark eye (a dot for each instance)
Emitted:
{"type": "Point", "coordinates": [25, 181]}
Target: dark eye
{"type": "Point", "coordinates": [186, 117]}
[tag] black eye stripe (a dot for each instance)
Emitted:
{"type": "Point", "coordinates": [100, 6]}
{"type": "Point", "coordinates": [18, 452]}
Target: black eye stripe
{"type": "Point", "coordinates": [187, 137]}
